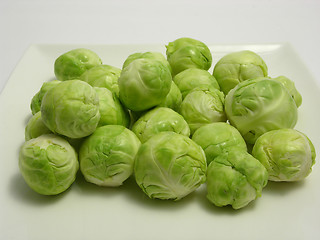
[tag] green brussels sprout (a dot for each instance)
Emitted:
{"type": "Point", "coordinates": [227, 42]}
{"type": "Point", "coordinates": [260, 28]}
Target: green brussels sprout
{"type": "Point", "coordinates": [217, 138]}
{"type": "Point", "coordinates": [174, 98]}
{"type": "Point", "coordinates": [146, 55]}
{"type": "Point", "coordinates": [169, 166]}
{"type": "Point", "coordinates": [110, 108]}
{"type": "Point", "coordinates": [72, 64]}
{"type": "Point", "coordinates": [260, 105]}
{"type": "Point", "coordinates": [184, 53]}
{"type": "Point", "coordinates": [107, 156]}
{"type": "Point", "coordinates": [235, 178]}
{"type": "Point", "coordinates": [104, 76]}
{"type": "Point", "coordinates": [290, 86]}
{"type": "Point", "coordinates": [237, 67]}
{"type": "Point", "coordinates": [287, 154]}
{"type": "Point", "coordinates": [48, 164]}
{"type": "Point", "coordinates": [157, 120]}
{"type": "Point", "coordinates": [35, 127]}
{"type": "Point", "coordinates": [203, 107]}
{"type": "Point", "coordinates": [71, 109]}
{"type": "Point", "coordinates": [37, 98]}
{"type": "Point", "coordinates": [144, 83]}
{"type": "Point", "coordinates": [193, 78]}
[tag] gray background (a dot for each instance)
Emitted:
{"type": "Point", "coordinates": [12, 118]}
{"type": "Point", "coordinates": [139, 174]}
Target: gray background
{"type": "Point", "coordinates": [25, 22]}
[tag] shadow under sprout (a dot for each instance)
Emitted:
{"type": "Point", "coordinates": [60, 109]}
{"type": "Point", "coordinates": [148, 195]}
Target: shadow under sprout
{"type": "Point", "coordinates": [24, 194]}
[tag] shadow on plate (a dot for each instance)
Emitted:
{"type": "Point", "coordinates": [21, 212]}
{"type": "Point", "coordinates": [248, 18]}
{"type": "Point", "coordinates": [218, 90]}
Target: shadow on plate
{"type": "Point", "coordinates": [282, 188]}
{"type": "Point", "coordinates": [24, 194]}
{"type": "Point", "coordinates": [131, 191]}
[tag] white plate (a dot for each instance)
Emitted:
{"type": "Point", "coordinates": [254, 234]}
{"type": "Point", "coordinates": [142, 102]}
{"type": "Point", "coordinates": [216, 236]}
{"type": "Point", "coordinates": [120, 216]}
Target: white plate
{"type": "Point", "coordinates": [285, 210]}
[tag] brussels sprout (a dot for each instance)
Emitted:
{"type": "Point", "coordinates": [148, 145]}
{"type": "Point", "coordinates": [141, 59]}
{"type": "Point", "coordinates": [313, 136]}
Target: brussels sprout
{"type": "Point", "coordinates": [260, 105]}
{"type": "Point", "coordinates": [169, 166]}
{"type": "Point", "coordinates": [237, 67]}
{"type": "Point", "coordinates": [107, 156]}
{"type": "Point", "coordinates": [71, 109]}
{"type": "Point", "coordinates": [159, 120]}
{"type": "Point", "coordinates": [48, 164]}
{"type": "Point", "coordinates": [144, 83]}
{"type": "Point", "coordinates": [287, 154]}
{"type": "Point", "coordinates": [105, 76]}
{"type": "Point", "coordinates": [35, 127]}
{"type": "Point", "coordinates": [111, 110]}
{"type": "Point", "coordinates": [184, 53]}
{"type": "Point", "coordinates": [37, 98]}
{"type": "Point", "coordinates": [290, 86]}
{"type": "Point", "coordinates": [235, 178]}
{"type": "Point", "coordinates": [72, 64]}
{"type": "Point", "coordinates": [174, 98]}
{"type": "Point", "coordinates": [193, 78]}
{"type": "Point", "coordinates": [203, 107]}
{"type": "Point", "coordinates": [146, 55]}
{"type": "Point", "coordinates": [218, 137]}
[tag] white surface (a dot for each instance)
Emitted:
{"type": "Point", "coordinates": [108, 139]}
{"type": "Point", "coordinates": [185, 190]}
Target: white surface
{"type": "Point", "coordinates": [285, 210]}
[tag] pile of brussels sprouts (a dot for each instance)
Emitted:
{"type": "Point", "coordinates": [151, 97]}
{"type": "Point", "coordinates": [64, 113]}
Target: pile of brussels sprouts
{"type": "Point", "coordinates": [169, 123]}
